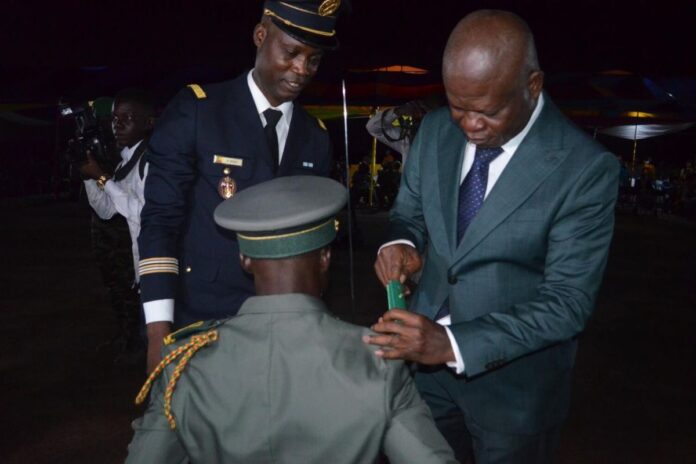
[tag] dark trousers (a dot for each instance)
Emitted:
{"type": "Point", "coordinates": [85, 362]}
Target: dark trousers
{"type": "Point", "coordinates": [111, 245]}
{"type": "Point", "coordinates": [472, 443]}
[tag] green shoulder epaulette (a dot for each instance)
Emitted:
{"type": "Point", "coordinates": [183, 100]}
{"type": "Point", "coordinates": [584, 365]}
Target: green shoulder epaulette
{"type": "Point", "coordinates": [193, 329]}
{"type": "Point", "coordinates": [321, 124]}
{"type": "Point", "coordinates": [198, 91]}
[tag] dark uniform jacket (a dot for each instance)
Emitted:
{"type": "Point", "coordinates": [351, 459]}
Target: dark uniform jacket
{"type": "Point", "coordinates": [203, 133]}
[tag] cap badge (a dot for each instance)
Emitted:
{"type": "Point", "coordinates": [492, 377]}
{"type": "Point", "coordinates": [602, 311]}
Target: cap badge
{"type": "Point", "coordinates": [328, 7]}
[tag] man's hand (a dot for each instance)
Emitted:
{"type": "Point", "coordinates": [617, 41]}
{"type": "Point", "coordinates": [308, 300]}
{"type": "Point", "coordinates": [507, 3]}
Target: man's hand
{"type": "Point", "coordinates": [410, 336]}
{"type": "Point", "coordinates": [156, 331]}
{"type": "Point", "coordinates": [397, 262]}
{"type": "Point", "coordinates": [91, 169]}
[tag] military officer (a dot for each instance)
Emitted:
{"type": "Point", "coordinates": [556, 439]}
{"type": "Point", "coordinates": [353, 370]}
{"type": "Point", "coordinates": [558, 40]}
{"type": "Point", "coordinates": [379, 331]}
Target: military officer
{"type": "Point", "coordinates": [283, 381]}
{"type": "Point", "coordinates": [213, 141]}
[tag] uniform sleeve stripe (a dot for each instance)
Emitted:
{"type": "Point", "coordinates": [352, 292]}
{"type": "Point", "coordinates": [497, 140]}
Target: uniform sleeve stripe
{"type": "Point", "coordinates": [144, 272]}
{"type": "Point", "coordinates": [163, 259]}
{"type": "Point", "coordinates": [157, 265]}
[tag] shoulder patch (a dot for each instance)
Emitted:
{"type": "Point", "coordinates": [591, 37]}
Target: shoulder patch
{"type": "Point", "coordinates": [198, 91]}
{"type": "Point", "coordinates": [193, 329]}
{"type": "Point", "coordinates": [321, 124]}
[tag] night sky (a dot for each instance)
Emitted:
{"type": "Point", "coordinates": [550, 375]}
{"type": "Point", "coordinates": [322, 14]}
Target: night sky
{"type": "Point", "coordinates": [648, 37]}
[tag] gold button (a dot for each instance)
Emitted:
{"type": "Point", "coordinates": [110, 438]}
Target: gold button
{"type": "Point", "coordinates": [227, 171]}
{"type": "Point", "coordinates": [188, 268]}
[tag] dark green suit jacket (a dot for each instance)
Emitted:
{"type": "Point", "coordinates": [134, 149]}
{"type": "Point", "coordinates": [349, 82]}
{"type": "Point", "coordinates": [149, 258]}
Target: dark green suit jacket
{"type": "Point", "coordinates": [286, 382]}
{"type": "Point", "coordinates": [523, 281]}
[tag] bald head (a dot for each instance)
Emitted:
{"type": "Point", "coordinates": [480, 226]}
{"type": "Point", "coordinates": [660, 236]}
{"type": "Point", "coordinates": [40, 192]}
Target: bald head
{"type": "Point", "coordinates": [491, 75]}
{"type": "Point", "coordinates": [490, 42]}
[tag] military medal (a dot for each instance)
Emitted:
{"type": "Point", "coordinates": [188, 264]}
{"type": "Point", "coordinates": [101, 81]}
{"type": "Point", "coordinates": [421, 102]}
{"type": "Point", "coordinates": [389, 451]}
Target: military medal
{"type": "Point", "coordinates": [227, 187]}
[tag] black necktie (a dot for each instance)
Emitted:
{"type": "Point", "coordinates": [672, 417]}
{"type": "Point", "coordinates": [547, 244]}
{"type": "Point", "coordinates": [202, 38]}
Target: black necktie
{"type": "Point", "coordinates": [272, 116]}
{"type": "Point", "coordinates": [473, 189]}
{"type": "Point", "coordinates": [471, 195]}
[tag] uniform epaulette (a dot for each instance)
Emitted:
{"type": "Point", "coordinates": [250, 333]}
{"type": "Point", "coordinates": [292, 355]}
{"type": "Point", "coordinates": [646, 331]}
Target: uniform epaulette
{"type": "Point", "coordinates": [198, 91]}
{"type": "Point", "coordinates": [321, 124]}
{"type": "Point", "coordinates": [202, 334]}
{"type": "Point", "coordinates": [192, 329]}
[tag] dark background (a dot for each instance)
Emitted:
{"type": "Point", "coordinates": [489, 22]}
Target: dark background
{"type": "Point", "coordinates": [77, 50]}
{"type": "Point", "coordinates": [157, 38]}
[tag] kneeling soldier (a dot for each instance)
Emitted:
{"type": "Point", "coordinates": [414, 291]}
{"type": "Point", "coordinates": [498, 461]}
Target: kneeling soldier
{"type": "Point", "coordinates": [283, 381]}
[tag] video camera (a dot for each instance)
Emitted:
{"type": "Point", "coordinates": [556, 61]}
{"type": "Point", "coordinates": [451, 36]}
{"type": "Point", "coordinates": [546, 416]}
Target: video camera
{"type": "Point", "coordinates": [92, 135]}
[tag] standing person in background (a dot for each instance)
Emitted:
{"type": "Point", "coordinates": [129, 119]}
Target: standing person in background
{"type": "Point", "coordinates": [215, 140]}
{"type": "Point", "coordinates": [121, 195]}
{"type": "Point", "coordinates": [515, 207]}
{"type": "Point", "coordinates": [396, 127]}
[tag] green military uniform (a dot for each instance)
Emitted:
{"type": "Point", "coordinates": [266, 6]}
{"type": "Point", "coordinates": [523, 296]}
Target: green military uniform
{"type": "Point", "coordinates": [283, 381]}
{"type": "Point", "coordinates": [286, 382]}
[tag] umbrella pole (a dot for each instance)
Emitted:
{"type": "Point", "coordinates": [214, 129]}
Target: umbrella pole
{"type": "Point", "coordinates": [635, 149]}
{"type": "Point", "coordinates": [350, 207]}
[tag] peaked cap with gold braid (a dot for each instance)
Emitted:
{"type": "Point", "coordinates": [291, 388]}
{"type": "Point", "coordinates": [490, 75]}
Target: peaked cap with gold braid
{"type": "Point", "coordinates": [309, 21]}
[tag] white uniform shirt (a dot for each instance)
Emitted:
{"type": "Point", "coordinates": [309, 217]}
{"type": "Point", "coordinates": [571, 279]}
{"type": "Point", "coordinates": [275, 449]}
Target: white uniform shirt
{"type": "Point", "coordinates": [262, 104]}
{"type": "Point", "coordinates": [124, 197]}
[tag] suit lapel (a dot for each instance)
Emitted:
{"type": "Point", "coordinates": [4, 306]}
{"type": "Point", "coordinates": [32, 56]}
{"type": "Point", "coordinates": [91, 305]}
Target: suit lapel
{"type": "Point", "coordinates": [535, 159]}
{"type": "Point", "coordinates": [450, 159]}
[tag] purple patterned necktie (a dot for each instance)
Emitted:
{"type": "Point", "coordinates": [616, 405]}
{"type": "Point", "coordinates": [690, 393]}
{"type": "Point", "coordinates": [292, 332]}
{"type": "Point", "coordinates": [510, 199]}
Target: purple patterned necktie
{"type": "Point", "coordinates": [471, 195]}
{"type": "Point", "coordinates": [473, 189]}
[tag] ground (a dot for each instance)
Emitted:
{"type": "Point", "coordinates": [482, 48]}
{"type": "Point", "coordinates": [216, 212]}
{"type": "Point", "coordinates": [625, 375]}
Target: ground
{"type": "Point", "coordinates": [63, 401]}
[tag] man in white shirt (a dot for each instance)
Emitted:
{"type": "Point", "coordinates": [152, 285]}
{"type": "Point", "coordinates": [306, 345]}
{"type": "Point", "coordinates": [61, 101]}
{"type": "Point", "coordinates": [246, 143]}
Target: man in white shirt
{"type": "Point", "coordinates": [122, 193]}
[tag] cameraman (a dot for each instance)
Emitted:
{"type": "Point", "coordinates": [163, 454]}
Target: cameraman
{"type": "Point", "coordinates": [122, 194]}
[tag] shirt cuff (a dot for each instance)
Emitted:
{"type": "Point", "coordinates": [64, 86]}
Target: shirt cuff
{"type": "Point", "coordinates": [396, 242]}
{"type": "Point", "coordinates": [159, 310]}
{"type": "Point", "coordinates": [458, 363]}
{"type": "Point", "coordinates": [112, 187]}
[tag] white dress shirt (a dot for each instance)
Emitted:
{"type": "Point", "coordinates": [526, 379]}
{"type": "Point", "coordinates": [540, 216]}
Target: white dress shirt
{"type": "Point", "coordinates": [124, 197]}
{"type": "Point", "coordinates": [163, 310]}
{"type": "Point", "coordinates": [495, 169]}
{"type": "Point", "coordinates": [262, 104]}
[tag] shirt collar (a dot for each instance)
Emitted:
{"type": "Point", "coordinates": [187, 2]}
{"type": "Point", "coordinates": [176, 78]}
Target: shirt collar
{"type": "Point", "coordinates": [127, 153]}
{"type": "Point", "coordinates": [262, 103]}
{"type": "Point", "coordinates": [282, 303]}
{"type": "Point", "coordinates": [511, 145]}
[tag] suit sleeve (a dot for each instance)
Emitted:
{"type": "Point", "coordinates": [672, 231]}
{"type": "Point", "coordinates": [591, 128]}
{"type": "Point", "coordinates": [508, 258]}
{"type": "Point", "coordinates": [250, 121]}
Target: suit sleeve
{"type": "Point", "coordinates": [406, 220]}
{"type": "Point", "coordinates": [154, 441]}
{"type": "Point", "coordinates": [577, 248]}
{"type": "Point", "coordinates": [411, 435]}
{"type": "Point", "coordinates": [171, 171]}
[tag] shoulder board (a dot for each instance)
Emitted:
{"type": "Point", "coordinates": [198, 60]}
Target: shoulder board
{"type": "Point", "coordinates": [321, 124]}
{"type": "Point", "coordinates": [193, 329]}
{"type": "Point", "coordinates": [198, 91]}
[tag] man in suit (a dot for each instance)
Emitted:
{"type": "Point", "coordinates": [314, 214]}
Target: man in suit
{"type": "Point", "coordinates": [215, 140]}
{"type": "Point", "coordinates": [284, 381]}
{"type": "Point", "coordinates": [514, 206]}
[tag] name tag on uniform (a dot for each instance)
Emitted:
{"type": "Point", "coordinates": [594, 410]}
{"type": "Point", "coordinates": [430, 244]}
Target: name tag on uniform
{"type": "Point", "coordinates": [307, 164]}
{"type": "Point", "coordinates": [227, 161]}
